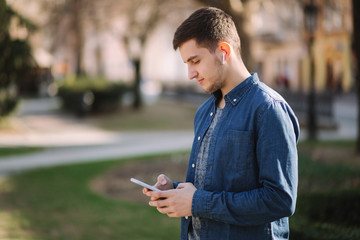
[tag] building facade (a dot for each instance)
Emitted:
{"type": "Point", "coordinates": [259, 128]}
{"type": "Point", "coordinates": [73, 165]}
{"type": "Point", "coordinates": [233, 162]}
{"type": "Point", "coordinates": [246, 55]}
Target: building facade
{"type": "Point", "coordinates": [280, 48]}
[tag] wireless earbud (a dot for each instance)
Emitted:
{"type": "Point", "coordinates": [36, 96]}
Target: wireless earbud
{"type": "Point", "coordinates": [223, 58]}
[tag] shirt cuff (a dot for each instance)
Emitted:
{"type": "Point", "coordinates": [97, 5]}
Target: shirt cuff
{"type": "Point", "coordinates": [200, 203]}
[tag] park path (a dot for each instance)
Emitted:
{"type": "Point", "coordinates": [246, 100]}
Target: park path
{"type": "Point", "coordinates": [67, 140]}
{"type": "Point", "coordinates": [124, 145]}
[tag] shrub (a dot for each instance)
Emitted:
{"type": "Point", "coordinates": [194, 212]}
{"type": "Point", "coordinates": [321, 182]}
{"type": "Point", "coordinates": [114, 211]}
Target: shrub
{"type": "Point", "coordinates": [15, 58]}
{"type": "Point", "coordinates": [328, 203]}
{"type": "Point", "coordinates": [91, 95]}
{"type": "Point", "coordinates": [327, 216]}
{"type": "Point", "coordinates": [8, 102]}
{"type": "Point", "coordinates": [341, 208]}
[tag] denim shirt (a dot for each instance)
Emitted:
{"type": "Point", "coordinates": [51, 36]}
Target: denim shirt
{"type": "Point", "coordinates": [250, 187]}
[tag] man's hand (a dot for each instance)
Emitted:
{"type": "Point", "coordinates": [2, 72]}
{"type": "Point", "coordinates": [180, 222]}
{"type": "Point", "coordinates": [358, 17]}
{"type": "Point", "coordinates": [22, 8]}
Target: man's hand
{"type": "Point", "coordinates": [174, 203]}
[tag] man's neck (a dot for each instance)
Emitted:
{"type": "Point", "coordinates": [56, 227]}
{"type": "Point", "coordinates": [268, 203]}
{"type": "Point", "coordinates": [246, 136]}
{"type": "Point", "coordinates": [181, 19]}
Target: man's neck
{"type": "Point", "coordinates": [235, 76]}
{"type": "Point", "coordinates": [236, 73]}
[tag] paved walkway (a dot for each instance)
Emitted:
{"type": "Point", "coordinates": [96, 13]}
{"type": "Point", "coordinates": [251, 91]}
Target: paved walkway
{"type": "Point", "coordinates": [68, 141]}
{"type": "Point", "coordinates": [124, 145]}
{"type": "Point", "coordinates": [345, 116]}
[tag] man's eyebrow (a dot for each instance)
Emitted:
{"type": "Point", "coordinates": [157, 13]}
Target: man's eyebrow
{"type": "Point", "coordinates": [191, 58]}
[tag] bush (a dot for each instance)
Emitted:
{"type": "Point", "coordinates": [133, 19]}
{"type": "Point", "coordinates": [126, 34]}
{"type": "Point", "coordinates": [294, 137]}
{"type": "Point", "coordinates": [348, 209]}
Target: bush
{"type": "Point", "coordinates": [15, 58]}
{"type": "Point", "coordinates": [327, 216]}
{"type": "Point", "coordinates": [8, 102]}
{"type": "Point", "coordinates": [91, 95]}
{"type": "Point", "coordinates": [341, 208]}
{"type": "Point", "coordinates": [328, 204]}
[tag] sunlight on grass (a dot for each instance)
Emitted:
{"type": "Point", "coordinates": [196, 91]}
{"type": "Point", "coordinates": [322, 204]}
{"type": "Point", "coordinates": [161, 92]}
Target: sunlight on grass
{"type": "Point", "coordinates": [12, 151]}
{"type": "Point", "coordinates": [159, 116]}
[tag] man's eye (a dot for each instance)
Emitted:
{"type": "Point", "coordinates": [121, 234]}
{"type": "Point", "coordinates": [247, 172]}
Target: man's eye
{"type": "Point", "coordinates": [196, 62]}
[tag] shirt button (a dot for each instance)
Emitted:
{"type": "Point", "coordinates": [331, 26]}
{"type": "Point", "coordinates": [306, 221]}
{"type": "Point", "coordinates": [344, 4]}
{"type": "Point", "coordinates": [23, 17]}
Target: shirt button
{"type": "Point", "coordinates": [211, 114]}
{"type": "Point", "coordinates": [234, 100]}
{"type": "Point", "coordinates": [193, 165]}
{"type": "Point", "coordinates": [186, 217]}
{"type": "Point", "coordinates": [199, 138]}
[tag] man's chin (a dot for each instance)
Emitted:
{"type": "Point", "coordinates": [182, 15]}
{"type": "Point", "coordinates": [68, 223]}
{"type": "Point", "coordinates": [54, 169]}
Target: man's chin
{"type": "Point", "coordinates": [207, 90]}
{"type": "Point", "coordinates": [210, 90]}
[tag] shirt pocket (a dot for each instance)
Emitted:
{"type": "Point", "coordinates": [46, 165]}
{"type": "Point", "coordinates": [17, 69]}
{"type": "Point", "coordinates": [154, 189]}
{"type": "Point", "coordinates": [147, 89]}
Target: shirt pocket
{"type": "Point", "coordinates": [239, 150]}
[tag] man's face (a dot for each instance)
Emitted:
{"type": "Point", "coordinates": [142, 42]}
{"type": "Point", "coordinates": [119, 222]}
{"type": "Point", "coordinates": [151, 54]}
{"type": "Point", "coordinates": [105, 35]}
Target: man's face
{"type": "Point", "coordinates": [203, 66]}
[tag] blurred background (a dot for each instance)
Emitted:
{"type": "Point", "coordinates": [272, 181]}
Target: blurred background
{"type": "Point", "coordinates": [97, 56]}
{"type": "Point", "coordinates": [86, 80]}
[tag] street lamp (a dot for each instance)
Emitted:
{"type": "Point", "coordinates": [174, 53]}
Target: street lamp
{"type": "Point", "coordinates": [310, 22]}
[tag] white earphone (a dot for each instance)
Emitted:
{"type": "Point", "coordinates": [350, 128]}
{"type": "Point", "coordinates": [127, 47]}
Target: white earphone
{"type": "Point", "coordinates": [223, 58]}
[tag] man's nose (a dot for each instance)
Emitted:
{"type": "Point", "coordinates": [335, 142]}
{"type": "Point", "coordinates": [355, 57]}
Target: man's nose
{"type": "Point", "coordinates": [192, 73]}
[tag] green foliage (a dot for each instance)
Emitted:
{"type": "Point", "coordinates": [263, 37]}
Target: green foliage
{"type": "Point", "coordinates": [340, 208]}
{"type": "Point", "coordinates": [328, 202]}
{"type": "Point", "coordinates": [8, 102]}
{"type": "Point", "coordinates": [15, 59]}
{"type": "Point", "coordinates": [83, 95]}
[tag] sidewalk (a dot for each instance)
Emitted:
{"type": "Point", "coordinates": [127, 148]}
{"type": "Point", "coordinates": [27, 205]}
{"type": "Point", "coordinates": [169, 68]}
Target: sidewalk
{"type": "Point", "coordinates": [125, 145]}
{"type": "Point", "coordinates": [67, 140]}
{"type": "Point", "coordinates": [345, 115]}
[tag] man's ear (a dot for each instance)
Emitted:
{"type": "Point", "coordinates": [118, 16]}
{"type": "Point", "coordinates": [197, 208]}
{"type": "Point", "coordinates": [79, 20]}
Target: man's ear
{"type": "Point", "coordinates": [226, 48]}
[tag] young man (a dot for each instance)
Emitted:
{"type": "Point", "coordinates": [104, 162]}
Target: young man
{"type": "Point", "coordinates": [242, 176]}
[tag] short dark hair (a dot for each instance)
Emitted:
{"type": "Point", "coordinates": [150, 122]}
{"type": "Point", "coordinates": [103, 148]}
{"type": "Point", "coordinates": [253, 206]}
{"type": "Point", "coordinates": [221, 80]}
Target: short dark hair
{"type": "Point", "coordinates": [208, 26]}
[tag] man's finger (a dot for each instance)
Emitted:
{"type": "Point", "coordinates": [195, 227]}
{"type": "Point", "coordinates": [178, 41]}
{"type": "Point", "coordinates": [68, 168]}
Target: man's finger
{"type": "Point", "coordinates": [145, 190]}
{"type": "Point", "coordinates": [160, 194]}
{"type": "Point", "coordinates": [183, 185]}
{"type": "Point", "coordinates": [159, 203]}
{"type": "Point", "coordinates": [154, 194]}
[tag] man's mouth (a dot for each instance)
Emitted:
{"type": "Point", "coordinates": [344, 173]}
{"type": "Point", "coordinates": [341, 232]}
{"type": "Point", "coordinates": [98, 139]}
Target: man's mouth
{"type": "Point", "coordinates": [200, 81]}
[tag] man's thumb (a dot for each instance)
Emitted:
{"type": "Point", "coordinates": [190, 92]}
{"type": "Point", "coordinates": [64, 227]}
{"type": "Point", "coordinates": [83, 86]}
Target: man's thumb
{"type": "Point", "coordinates": [162, 179]}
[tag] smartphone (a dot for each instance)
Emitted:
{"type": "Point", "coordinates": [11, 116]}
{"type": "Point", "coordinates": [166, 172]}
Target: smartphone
{"type": "Point", "coordinates": [145, 185]}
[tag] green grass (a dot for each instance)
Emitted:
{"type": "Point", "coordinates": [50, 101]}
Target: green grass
{"type": "Point", "coordinates": [328, 202]}
{"type": "Point", "coordinates": [57, 203]}
{"type": "Point", "coordinates": [10, 151]}
{"type": "Point", "coordinates": [159, 116]}
{"type": "Point", "coordinates": [342, 144]}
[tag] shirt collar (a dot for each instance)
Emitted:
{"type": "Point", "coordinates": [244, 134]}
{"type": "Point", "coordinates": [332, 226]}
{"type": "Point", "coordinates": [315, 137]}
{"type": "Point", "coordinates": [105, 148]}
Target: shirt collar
{"type": "Point", "coordinates": [236, 94]}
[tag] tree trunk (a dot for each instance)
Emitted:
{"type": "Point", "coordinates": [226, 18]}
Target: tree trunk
{"type": "Point", "coordinates": [79, 39]}
{"type": "Point", "coordinates": [356, 35]}
{"type": "Point", "coordinates": [137, 92]}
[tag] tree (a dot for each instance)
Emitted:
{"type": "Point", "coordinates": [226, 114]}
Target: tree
{"type": "Point", "coordinates": [15, 58]}
{"type": "Point", "coordinates": [356, 49]}
{"type": "Point", "coordinates": [70, 18]}
{"type": "Point", "coordinates": [66, 24]}
{"type": "Point", "coordinates": [143, 17]}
